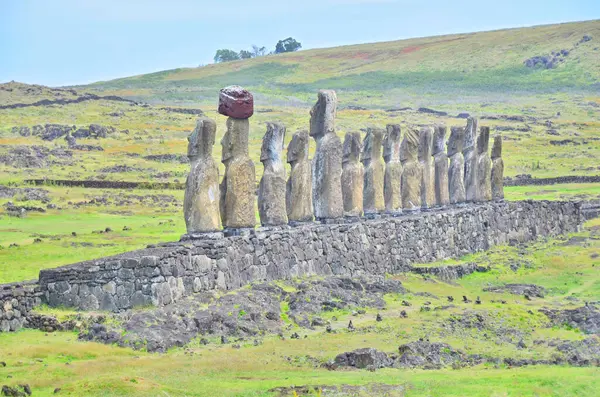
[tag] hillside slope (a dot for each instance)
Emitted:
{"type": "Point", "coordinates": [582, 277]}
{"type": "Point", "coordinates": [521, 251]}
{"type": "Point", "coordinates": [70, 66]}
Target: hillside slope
{"type": "Point", "coordinates": [376, 74]}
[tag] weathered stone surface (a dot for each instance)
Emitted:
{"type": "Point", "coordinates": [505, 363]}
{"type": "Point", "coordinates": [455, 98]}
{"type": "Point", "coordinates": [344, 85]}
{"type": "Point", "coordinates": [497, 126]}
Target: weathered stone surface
{"type": "Point", "coordinates": [298, 198]}
{"type": "Point", "coordinates": [239, 183]}
{"type": "Point", "coordinates": [484, 166]}
{"type": "Point", "coordinates": [236, 102]}
{"type": "Point", "coordinates": [427, 166]}
{"type": "Point", "coordinates": [440, 160]}
{"type": "Point", "coordinates": [374, 247]}
{"type": "Point", "coordinates": [201, 199]}
{"type": "Point", "coordinates": [392, 180]}
{"type": "Point", "coordinates": [352, 175]}
{"type": "Point", "coordinates": [364, 358]}
{"type": "Point", "coordinates": [373, 201]}
{"type": "Point", "coordinates": [497, 169]}
{"type": "Point", "coordinates": [456, 169]}
{"type": "Point", "coordinates": [470, 158]}
{"type": "Point", "coordinates": [327, 163]}
{"type": "Point", "coordinates": [412, 171]}
{"type": "Point", "coordinates": [272, 187]}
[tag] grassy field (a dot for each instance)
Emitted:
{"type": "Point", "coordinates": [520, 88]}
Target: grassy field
{"type": "Point", "coordinates": [567, 267]}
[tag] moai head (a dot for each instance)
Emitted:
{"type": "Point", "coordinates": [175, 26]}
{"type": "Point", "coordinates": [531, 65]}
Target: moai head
{"type": "Point", "coordinates": [235, 140]}
{"type": "Point", "coordinates": [497, 148]}
{"type": "Point", "coordinates": [391, 143]}
{"type": "Point", "coordinates": [425, 143]}
{"type": "Point", "coordinates": [322, 115]}
{"type": "Point", "coordinates": [202, 139]}
{"type": "Point", "coordinates": [410, 145]}
{"type": "Point", "coordinates": [483, 140]}
{"type": "Point", "coordinates": [439, 139]}
{"type": "Point", "coordinates": [298, 147]}
{"type": "Point", "coordinates": [236, 102]}
{"type": "Point", "coordinates": [272, 143]}
{"type": "Point", "coordinates": [372, 145]}
{"type": "Point", "coordinates": [352, 147]}
{"type": "Point", "coordinates": [456, 141]}
{"type": "Point", "coordinates": [470, 133]}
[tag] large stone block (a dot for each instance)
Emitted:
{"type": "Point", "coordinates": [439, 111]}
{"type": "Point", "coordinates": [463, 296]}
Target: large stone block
{"type": "Point", "coordinates": [236, 102]}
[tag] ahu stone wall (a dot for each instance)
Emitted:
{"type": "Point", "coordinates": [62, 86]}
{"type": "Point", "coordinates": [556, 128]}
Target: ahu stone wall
{"type": "Point", "coordinates": [159, 276]}
{"type": "Point", "coordinates": [16, 301]}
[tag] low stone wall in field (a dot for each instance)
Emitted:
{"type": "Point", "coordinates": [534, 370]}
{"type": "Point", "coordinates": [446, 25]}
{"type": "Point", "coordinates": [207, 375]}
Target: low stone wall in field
{"type": "Point", "coordinates": [16, 300]}
{"type": "Point", "coordinates": [159, 276]}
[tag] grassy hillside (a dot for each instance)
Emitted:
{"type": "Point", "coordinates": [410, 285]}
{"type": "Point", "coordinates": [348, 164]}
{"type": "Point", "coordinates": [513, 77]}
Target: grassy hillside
{"type": "Point", "coordinates": [384, 74]}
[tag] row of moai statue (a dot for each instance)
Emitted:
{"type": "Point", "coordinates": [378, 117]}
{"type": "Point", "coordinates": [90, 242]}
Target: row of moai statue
{"type": "Point", "coordinates": [344, 180]}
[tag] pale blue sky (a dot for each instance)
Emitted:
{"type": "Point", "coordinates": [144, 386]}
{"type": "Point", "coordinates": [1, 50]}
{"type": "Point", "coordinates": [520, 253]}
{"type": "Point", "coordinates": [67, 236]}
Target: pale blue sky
{"type": "Point", "coordinates": [61, 42]}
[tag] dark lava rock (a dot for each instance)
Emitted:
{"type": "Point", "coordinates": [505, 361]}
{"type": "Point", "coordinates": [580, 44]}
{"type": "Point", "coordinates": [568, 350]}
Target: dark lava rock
{"type": "Point", "coordinates": [168, 158]}
{"type": "Point", "coordinates": [519, 289]}
{"type": "Point", "coordinates": [363, 358]}
{"type": "Point", "coordinates": [236, 102]}
{"type": "Point", "coordinates": [34, 156]}
{"type": "Point", "coordinates": [432, 111]}
{"type": "Point", "coordinates": [586, 318]}
{"type": "Point", "coordinates": [427, 355]}
{"type": "Point", "coordinates": [581, 353]}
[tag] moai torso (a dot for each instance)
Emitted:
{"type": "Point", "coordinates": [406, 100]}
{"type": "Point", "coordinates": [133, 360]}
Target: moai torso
{"type": "Point", "coordinates": [327, 163]}
{"type": "Point", "coordinates": [440, 161]}
{"type": "Point", "coordinates": [201, 199]}
{"type": "Point", "coordinates": [272, 187]}
{"type": "Point", "coordinates": [238, 186]}
{"type": "Point", "coordinates": [470, 158]}
{"type": "Point", "coordinates": [456, 169]}
{"type": "Point", "coordinates": [298, 197]}
{"type": "Point", "coordinates": [393, 169]}
{"type": "Point", "coordinates": [428, 182]}
{"type": "Point", "coordinates": [352, 175]}
{"type": "Point", "coordinates": [497, 169]}
{"type": "Point", "coordinates": [484, 166]}
{"type": "Point", "coordinates": [412, 171]}
{"type": "Point", "coordinates": [373, 201]}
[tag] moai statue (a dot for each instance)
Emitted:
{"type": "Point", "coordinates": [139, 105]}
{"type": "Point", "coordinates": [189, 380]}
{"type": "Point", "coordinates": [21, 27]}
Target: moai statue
{"type": "Point", "coordinates": [239, 183]}
{"type": "Point", "coordinates": [373, 201]}
{"type": "Point", "coordinates": [298, 197]}
{"type": "Point", "coordinates": [456, 170]}
{"type": "Point", "coordinates": [272, 189]}
{"type": "Point", "coordinates": [484, 165]}
{"type": "Point", "coordinates": [412, 171]}
{"type": "Point", "coordinates": [352, 176]}
{"type": "Point", "coordinates": [497, 169]}
{"type": "Point", "coordinates": [440, 161]}
{"type": "Point", "coordinates": [470, 156]}
{"type": "Point", "coordinates": [201, 199]}
{"type": "Point", "coordinates": [428, 183]}
{"type": "Point", "coordinates": [393, 169]}
{"type": "Point", "coordinates": [327, 163]}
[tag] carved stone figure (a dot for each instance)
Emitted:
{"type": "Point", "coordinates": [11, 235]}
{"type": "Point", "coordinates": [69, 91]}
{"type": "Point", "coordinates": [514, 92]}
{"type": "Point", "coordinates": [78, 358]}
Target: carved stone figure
{"type": "Point", "coordinates": [470, 157]}
{"type": "Point", "coordinates": [412, 171]}
{"type": "Point", "coordinates": [440, 160]}
{"type": "Point", "coordinates": [373, 201]}
{"type": "Point", "coordinates": [497, 169]}
{"type": "Point", "coordinates": [352, 175]}
{"type": "Point", "coordinates": [201, 199]}
{"type": "Point", "coordinates": [327, 163]}
{"type": "Point", "coordinates": [298, 198]}
{"type": "Point", "coordinates": [428, 183]}
{"type": "Point", "coordinates": [239, 182]}
{"type": "Point", "coordinates": [456, 170]}
{"type": "Point", "coordinates": [272, 187]}
{"type": "Point", "coordinates": [393, 169]}
{"type": "Point", "coordinates": [484, 166]}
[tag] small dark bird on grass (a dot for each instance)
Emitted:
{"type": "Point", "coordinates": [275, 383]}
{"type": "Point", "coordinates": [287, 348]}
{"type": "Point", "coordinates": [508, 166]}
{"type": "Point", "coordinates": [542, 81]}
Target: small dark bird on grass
{"type": "Point", "coordinates": [465, 299]}
{"type": "Point", "coordinates": [478, 301]}
{"type": "Point", "coordinates": [403, 314]}
{"type": "Point", "coordinates": [350, 326]}
{"type": "Point", "coordinates": [379, 318]}
{"type": "Point", "coordinates": [450, 299]}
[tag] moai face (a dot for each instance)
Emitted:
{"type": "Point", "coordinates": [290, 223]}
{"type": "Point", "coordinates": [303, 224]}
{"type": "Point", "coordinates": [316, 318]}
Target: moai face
{"type": "Point", "coordinates": [456, 141]}
{"type": "Point", "coordinates": [497, 148]}
{"type": "Point", "coordinates": [470, 133]}
{"type": "Point", "coordinates": [410, 146]}
{"type": "Point", "coordinates": [202, 139]}
{"type": "Point", "coordinates": [272, 144]}
{"type": "Point", "coordinates": [322, 114]}
{"type": "Point", "coordinates": [372, 145]}
{"type": "Point", "coordinates": [235, 140]}
{"type": "Point", "coordinates": [483, 140]}
{"type": "Point", "coordinates": [352, 147]}
{"type": "Point", "coordinates": [425, 143]}
{"type": "Point", "coordinates": [439, 139]}
{"type": "Point", "coordinates": [298, 147]}
{"type": "Point", "coordinates": [391, 143]}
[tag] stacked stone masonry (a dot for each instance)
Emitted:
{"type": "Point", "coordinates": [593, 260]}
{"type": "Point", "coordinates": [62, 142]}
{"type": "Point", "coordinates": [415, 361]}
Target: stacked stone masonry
{"type": "Point", "coordinates": [159, 276]}
{"type": "Point", "coordinates": [16, 301]}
